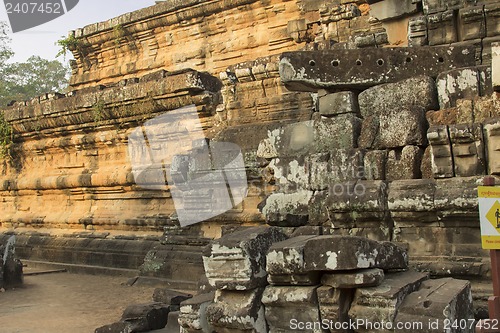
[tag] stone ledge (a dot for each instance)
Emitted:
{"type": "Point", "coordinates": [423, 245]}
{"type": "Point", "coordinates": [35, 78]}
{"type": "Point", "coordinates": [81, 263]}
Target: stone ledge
{"type": "Point", "coordinates": [359, 69]}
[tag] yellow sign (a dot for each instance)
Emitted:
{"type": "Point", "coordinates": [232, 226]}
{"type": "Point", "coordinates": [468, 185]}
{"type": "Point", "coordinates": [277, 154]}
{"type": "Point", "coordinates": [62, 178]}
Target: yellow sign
{"type": "Point", "coordinates": [489, 215]}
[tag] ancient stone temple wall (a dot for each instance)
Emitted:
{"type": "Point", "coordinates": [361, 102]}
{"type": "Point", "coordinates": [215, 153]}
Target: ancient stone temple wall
{"type": "Point", "coordinates": [366, 118]}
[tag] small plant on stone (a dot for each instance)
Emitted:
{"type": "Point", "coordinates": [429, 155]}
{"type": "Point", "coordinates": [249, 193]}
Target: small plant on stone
{"type": "Point", "coordinates": [118, 33]}
{"type": "Point", "coordinates": [68, 44]}
{"type": "Point", "coordinates": [5, 136]}
{"type": "Point", "coordinates": [98, 111]}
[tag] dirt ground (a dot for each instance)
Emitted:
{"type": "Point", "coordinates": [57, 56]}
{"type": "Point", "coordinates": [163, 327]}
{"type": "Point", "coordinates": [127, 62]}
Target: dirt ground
{"type": "Point", "coordinates": [64, 303]}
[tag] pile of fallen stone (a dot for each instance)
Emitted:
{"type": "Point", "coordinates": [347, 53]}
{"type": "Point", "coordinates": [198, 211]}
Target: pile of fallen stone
{"type": "Point", "coordinates": [163, 312]}
{"type": "Point", "coordinates": [11, 268]}
{"type": "Point", "coordinates": [267, 283]}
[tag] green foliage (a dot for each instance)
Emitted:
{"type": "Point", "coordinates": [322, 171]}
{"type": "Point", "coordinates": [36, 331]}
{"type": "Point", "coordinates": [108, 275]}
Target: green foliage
{"type": "Point", "coordinates": [5, 136]}
{"type": "Point", "coordinates": [36, 76]}
{"type": "Point", "coordinates": [118, 33]}
{"type": "Point", "coordinates": [98, 111]}
{"type": "Point", "coordinates": [68, 44]}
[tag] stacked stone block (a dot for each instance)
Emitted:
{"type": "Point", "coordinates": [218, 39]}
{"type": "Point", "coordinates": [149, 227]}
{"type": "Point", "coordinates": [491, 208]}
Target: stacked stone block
{"type": "Point", "coordinates": [236, 265]}
{"type": "Point", "coordinates": [317, 284]}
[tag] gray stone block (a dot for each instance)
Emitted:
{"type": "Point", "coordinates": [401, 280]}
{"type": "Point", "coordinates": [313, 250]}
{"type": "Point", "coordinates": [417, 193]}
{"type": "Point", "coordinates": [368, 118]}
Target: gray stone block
{"type": "Point", "coordinates": [353, 204]}
{"type": "Point", "coordinates": [457, 84]}
{"type": "Point", "coordinates": [287, 209]}
{"type": "Point", "coordinates": [316, 136]}
{"type": "Point", "coordinates": [441, 28]}
{"type": "Point", "coordinates": [334, 306]}
{"type": "Point", "coordinates": [335, 253]}
{"type": "Point", "coordinates": [285, 263]}
{"type": "Point", "coordinates": [394, 113]}
{"type": "Point", "coordinates": [340, 132]}
{"type": "Point", "coordinates": [345, 165]}
{"type": "Point", "coordinates": [404, 163]}
{"type": "Point", "coordinates": [434, 6]}
{"type": "Point", "coordinates": [456, 202]}
{"type": "Point", "coordinates": [375, 164]}
{"type": "Point", "coordinates": [441, 154]}
{"type": "Point", "coordinates": [392, 9]}
{"type": "Point", "coordinates": [411, 202]}
{"type": "Point", "coordinates": [358, 69]}
{"type": "Point", "coordinates": [168, 296]}
{"type": "Point", "coordinates": [445, 251]}
{"type": "Point", "coordinates": [468, 149]}
{"type": "Point", "coordinates": [417, 31]}
{"type": "Point", "coordinates": [381, 303]}
{"type": "Point", "coordinates": [416, 91]}
{"type": "Point", "coordinates": [287, 304]}
{"type": "Point", "coordinates": [237, 311]}
{"type": "Point", "coordinates": [492, 15]}
{"type": "Point", "coordinates": [146, 317]}
{"type": "Point", "coordinates": [118, 327]}
{"type": "Point", "coordinates": [442, 302]}
{"type": "Point", "coordinates": [192, 315]}
{"type": "Point", "coordinates": [237, 261]}
{"type": "Point", "coordinates": [472, 23]}
{"type": "Point", "coordinates": [356, 279]}
{"type": "Point", "coordinates": [287, 257]}
{"type": "Point", "coordinates": [338, 103]}
{"type": "Point", "coordinates": [317, 166]}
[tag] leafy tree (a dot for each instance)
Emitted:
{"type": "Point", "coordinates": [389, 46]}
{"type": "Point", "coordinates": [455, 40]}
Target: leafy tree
{"type": "Point", "coordinates": [25, 80]}
{"type": "Point", "coordinates": [34, 77]}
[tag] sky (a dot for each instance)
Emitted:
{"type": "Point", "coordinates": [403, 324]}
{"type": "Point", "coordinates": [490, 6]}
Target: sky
{"type": "Point", "coordinates": [41, 40]}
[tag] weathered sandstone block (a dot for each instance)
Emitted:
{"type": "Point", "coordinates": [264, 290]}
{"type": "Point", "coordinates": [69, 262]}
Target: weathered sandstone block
{"type": "Point", "coordinates": [441, 28]}
{"type": "Point", "coordinates": [285, 263]}
{"type": "Point", "coordinates": [354, 69]}
{"type": "Point", "coordinates": [237, 261]}
{"type": "Point", "coordinates": [334, 253]}
{"type": "Point", "coordinates": [443, 302]}
{"type": "Point", "coordinates": [286, 305]}
{"type": "Point", "coordinates": [387, 10]}
{"type": "Point", "coordinates": [394, 113]}
{"type": "Point", "coordinates": [356, 279]}
{"type": "Point", "coordinates": [457, 84]}
{"type": "Point", "coordinates": [192, 315]}
{"type": "Point", "coordinates": [411, 202]}
{"type": "Point", "coordinates": [374, 304]}
{"type": "Point", "coordinates": [455, 200]}
{"type": "Point", "coordinates": [338, 103]}
{"type": "Point", "coordinates": [287, 209]}
{"type": "Point", "coordinates": [334, 305]}
{"type": "Point", "coordinates": [237, 311]}
{"type": "Point", "coordinates": [417, 31]}
{"type": "Point", "coordinates": [472, 23]}
{"type": "Point", "coordinates": [404, 164]}
{"type": "Point", "coordinates": [468, 149]}
{"type": "Point", "coordinates": [146, 317]}
{"type": "Point", "coordinates": [441, 155]}
{"type": "Point", "coordinates": [445, 251]}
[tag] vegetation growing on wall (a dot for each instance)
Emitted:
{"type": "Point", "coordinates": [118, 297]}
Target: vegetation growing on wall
{"type": "Point", "coordinates": [5, 136]}
{"type": "Point", "coordinates": [68, 44]}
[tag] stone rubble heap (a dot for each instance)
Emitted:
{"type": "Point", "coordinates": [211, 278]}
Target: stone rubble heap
{"type": "Point", "coordinates": [267, 282]}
